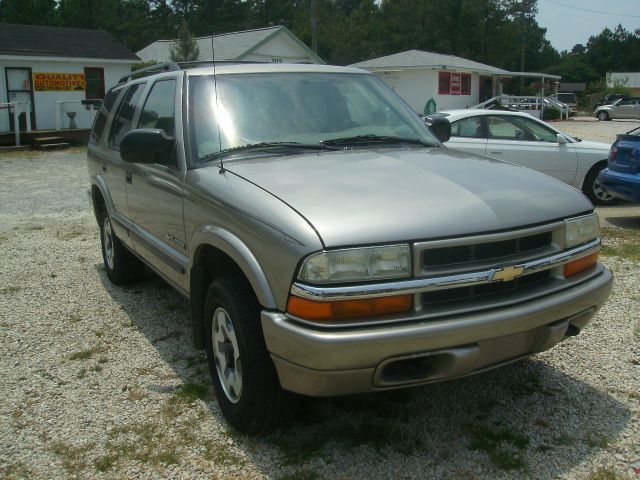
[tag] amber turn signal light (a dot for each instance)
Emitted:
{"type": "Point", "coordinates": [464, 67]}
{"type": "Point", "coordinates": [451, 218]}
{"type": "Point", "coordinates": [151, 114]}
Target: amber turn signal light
{"type": "Point", "coordinates": [581, 264]}
{"type": "Point", "coordinates": [312, 310]}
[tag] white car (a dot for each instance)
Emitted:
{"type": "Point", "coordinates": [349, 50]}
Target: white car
{"type": "Point", "coordinates": [519, 138]}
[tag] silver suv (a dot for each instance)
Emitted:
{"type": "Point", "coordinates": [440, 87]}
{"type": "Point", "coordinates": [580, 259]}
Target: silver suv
{"type": "Point", "coordinates": [328, 243]}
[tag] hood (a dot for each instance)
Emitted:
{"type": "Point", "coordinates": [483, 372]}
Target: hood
{"type": "Point", "coordinates": [360, 197]}
{"type": "Point", "coordinates": [593, 146]}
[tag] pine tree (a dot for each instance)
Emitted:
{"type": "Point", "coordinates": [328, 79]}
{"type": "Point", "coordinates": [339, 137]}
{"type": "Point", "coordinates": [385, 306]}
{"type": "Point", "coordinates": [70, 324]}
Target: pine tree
{"type": "Point", "coordinates": [185, 48]}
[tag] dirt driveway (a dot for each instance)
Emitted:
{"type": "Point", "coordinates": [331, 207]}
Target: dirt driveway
{"type": "Point", "coordinates": [100, 381]}
{"type": "Point", "coordinates": [589, 128]}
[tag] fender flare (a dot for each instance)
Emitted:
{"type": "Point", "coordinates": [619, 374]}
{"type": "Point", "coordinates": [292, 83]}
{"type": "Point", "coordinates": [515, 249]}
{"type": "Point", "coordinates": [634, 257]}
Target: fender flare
{"type": "Point", "coordinates": [237, 250]}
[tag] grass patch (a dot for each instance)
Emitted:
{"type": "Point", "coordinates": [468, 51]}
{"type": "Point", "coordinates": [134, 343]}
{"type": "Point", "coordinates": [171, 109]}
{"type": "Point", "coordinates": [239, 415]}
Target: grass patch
{"type": "Point", "coordinates": [82, 373]}
{"type": "Point", "coordinates": [74, 459]}
{"type": "Point", "coordinates": [69, 235]}
{"type": "Point", "coordinates": [503, 445]}
{"type": "Point", "coordinates": [300, 474]}
{"type": "Point", "coordinates": [82, 259]}
{"type": "Point", "coordinates": [10, 289]}
{"type": "Point", "coordinates": [597, 441]}
{"type": "Point", "coordinates": [74, 318]}
{"type": "Point", "coordinates": [85, 354]}
{"type": "Point", "coordinates": [565, 440]}
{"type": "Point", "coordinates": [604, 473]}
{"type": "Point", "coordinates": [104, 463]}
{"type": "Point", "coordinates": [193, 391]}
{"type": "Point", "coordinates": [34, 228]}
{"type": "Point", "coordinates": [221, 454]}
{"type": "Point", "coordinates": [621, 242]}
{"type": "Point", "coordinates": [378, 422]}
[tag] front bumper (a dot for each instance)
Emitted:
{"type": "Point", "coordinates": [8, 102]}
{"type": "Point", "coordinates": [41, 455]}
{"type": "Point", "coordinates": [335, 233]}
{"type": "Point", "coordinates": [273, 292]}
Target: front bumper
{"type": "Point", "coordinates": [621, 185]}
{"type": "Point", "coordinates": [322, 362]}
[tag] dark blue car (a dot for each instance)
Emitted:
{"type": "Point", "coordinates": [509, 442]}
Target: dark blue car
{"type": "Point", "coordinates": [621, 178]}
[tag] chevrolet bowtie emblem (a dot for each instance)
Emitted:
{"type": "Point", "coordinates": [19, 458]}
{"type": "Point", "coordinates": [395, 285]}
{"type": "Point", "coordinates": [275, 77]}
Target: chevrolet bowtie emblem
{"type": "Point", "coordinates": [506, 274]}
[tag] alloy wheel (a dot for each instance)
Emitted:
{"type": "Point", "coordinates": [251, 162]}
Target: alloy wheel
{"type": "Point", "coordinates": [226, 354]}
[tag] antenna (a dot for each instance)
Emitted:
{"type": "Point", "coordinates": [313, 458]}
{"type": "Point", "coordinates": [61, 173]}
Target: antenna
{"type": "Point", "coordinates": [215, 90]}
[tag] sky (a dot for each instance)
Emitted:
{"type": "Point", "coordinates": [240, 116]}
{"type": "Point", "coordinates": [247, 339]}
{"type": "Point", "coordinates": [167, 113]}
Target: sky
{"type": "Point", "coordinates": [569, 22]}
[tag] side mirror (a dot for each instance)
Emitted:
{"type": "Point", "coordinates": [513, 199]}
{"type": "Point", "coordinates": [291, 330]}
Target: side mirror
{"type": "Point", "coordinates": [561, 139]}
{"type": "Point", "coordinates": [440, 127]}
{"type": "Point", "coordinates": [147, 145]}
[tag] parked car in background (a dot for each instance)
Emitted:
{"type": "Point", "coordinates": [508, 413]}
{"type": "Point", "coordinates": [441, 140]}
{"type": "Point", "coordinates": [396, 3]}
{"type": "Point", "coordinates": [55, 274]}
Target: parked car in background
{"type": "Point", "coordinates": [622, 176]}
{"type": "Point", "coordinates": [519, 138]}
{"type": "Point", "coordinates": [609, 99]}
{"type": "Point", "coordinates": [568, 99]}
{"type": "Point", "coordinates": [622, 108]}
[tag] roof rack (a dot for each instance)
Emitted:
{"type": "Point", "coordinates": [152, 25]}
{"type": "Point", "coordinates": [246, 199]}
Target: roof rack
{"type": "Point", "coordinates": [151, 70]}
{"type": "Point", "coordinates": [202, 63]}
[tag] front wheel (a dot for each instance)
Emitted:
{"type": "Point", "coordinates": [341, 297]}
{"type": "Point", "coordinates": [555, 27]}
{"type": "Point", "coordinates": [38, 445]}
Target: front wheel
{"type": "Point", "coordinates": [604, 116]}
{"type": "Point", "coordinates": [594, 191]}
{"type": "Point", "coordinates": [244, 377]}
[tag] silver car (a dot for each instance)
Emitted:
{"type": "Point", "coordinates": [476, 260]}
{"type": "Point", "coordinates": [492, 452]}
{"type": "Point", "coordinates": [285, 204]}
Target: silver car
{"type": "Point", "coordinates": [621, 108]}
{"type": "Point", "coordinates": [328, 243]}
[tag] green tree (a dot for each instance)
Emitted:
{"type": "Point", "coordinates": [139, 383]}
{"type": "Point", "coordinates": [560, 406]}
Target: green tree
{"type": "Point", "coordinates": [28, 12]}
{"type": "Point", "coordinates": [185, 48]}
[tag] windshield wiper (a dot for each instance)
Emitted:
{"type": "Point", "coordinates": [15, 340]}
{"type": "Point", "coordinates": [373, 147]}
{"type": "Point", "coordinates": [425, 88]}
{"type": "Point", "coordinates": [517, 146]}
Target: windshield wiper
{"type": "Point", "coordinates": [261, 146]}
{"type": "Point", "coordinates": [375, 139]}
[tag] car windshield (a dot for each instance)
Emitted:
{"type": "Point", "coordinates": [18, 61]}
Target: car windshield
{"type": "Point", "coordinates": [567, 97]}
{"type": "Point", "coordinates": [287, 110]}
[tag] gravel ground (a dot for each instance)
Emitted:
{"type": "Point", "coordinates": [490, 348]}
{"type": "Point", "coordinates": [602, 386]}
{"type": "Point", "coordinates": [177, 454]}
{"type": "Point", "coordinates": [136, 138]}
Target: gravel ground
{"type": "Point", "coordinates": [590, 128]}
{"type": "Point", "coordinates": [102, 382]}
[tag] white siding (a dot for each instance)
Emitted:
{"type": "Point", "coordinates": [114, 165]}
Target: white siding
{"type": "Point", "coordinates": [418, 86]}
{"type": "Point", "coordinates": [45, 102]}
{"type": "Point", "coordinates": [280, 49]}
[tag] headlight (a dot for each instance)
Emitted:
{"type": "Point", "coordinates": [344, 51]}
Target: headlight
{"type": "Point", "coordinates": [357, 264]}
{"type": "Point", "coordinates": [581, 230]}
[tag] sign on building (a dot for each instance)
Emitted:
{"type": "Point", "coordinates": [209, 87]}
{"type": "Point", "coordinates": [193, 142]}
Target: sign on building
{"type": "Point", "coordinates": [59, 82]}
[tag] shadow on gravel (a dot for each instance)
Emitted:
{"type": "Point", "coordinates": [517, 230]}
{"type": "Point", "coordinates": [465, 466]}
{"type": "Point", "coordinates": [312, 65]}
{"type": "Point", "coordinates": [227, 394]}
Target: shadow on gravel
{"type": "Point", "coordinates": [625, 222]}
{"type": "Point", "coordinates": [528, 419]}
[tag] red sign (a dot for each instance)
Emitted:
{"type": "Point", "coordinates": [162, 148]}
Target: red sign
{"type": "Point", "coordinates": [456, 82]}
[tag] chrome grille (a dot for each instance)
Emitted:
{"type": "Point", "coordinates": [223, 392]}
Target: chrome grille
{"type": "Point", "coordinates": [441, 258]}
{"type": "Point", "coordinates": [485, 290]}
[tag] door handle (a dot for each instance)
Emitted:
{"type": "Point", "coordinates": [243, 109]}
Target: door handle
{"type": "Point", "coordinates": [129, 176]}
{"type": "Point", "coordinates": [495, 153]}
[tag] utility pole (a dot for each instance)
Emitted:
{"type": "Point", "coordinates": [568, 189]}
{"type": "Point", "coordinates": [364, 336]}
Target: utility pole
{"type": "Point", "coordinates": [314, 26]}
{"type": "Point", "coordinates": [522, 48]}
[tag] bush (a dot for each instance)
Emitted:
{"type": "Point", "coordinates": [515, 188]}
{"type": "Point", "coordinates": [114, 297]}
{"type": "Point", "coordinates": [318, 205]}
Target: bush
{"type": "Point", "coordinates": [551, 113]}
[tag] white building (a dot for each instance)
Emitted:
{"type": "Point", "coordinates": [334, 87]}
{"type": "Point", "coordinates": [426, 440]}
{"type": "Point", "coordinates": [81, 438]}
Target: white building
{"type": "Point", "coordinates": [41, 67]}
{"type": "Point", "coordinates": [272, 44]}
{"type": "Point", "coordinates": [629, 80]}
{"type": "Point", "coordinates": [450, 81]}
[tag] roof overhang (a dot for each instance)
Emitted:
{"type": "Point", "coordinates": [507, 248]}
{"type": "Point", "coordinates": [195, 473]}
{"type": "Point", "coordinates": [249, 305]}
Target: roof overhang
{"type": "Point", "coordinates": [449, 68]}
{"type": "Point", "coordinates": [531, 75]}
{"type": "Point", "coordinates": [35, 58]}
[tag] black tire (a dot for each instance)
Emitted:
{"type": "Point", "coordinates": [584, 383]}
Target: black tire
{"type": "Point", "coordinates": [594, 191]}
{"type": "Point", "coordinates": [604, 116]}
{"type": "Point", "coordinates": [122, 266]}
{"type": "Point", "coordinates": [250, 397]}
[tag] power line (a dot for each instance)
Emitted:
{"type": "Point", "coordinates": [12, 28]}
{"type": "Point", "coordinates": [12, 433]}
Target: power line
{"type": "Point", "coordinates": [592, 11]}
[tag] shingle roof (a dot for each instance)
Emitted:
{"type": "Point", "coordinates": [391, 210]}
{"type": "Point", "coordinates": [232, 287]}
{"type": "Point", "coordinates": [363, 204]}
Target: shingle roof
{"type": "Point", "coordinates": [418, 59]}
{"type": "Point", "coordinates": [228, 46]}
{"type": "Point", "coordinates": [39, 41]}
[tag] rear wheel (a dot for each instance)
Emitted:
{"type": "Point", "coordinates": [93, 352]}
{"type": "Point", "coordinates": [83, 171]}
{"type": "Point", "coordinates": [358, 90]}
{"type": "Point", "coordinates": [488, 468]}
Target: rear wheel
{"type": "Point", "coordinates": [244, 377]}
{"type": "Point", "coordinates": [122, 266]}
{"type": "Point", "coordinates": [604, 116]}
{"type": "Point", "coordinates": [594, 191]}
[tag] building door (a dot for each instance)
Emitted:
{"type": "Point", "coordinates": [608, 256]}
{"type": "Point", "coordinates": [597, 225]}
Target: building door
{"type": "Point", "coordinates": [20, 89]}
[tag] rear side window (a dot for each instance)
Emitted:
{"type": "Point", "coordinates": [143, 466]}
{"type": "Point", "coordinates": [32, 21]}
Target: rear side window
{"type": "Point", "coordinates": [101, 118]}
{"type": "Point", "coordinates": [159, 108]}
{"type": "Point", "coordinates": [122, 123]}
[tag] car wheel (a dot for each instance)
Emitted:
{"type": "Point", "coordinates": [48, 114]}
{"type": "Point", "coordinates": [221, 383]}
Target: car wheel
{"type": "Point", "coordinates": [244, 377]}
{"type": "Point", "coordinates": [604, 116]}
{"type": "Point", "coordinates": [122, 266]}
{"type": "Point", "coordinates": [594, 191]}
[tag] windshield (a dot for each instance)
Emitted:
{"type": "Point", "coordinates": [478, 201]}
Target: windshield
{"type": "Point", "coordinates": [567, 97]}
{"type": "Point", "coordinates": [303, 108]}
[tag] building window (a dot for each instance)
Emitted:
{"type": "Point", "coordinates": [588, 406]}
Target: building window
{"type": "Point", "coordinates": [466, 84]}
{"type": "Point", "coordinates": [454, 83]}
{"type": "Point", "coordinates": [444, 83]}
{"type": "Point", "coordinates": [95, 83]}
